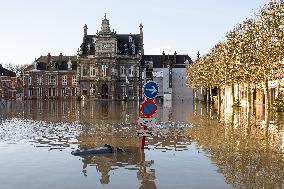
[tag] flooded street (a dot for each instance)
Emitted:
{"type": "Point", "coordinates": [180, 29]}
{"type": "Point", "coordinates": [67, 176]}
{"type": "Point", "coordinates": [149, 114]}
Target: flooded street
{"type": "Point", "coordinates": [195, 146]}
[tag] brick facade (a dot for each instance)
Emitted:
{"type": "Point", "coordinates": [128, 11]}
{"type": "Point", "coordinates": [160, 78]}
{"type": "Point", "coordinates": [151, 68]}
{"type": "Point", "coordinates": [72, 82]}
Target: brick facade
{"type": "Point", "coordinates": [8, 83]}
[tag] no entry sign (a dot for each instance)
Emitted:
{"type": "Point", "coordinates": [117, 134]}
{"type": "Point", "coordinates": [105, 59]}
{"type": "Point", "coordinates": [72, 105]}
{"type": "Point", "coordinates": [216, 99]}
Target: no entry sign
{"type": "Point", "coordinates": [148, 108]}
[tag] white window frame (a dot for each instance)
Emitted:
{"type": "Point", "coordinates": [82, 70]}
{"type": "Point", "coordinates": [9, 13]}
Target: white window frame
{"type": "Point", "coordinates": [74, 80]}
{"type": "Point", "coordinates": [39, 91]}
{"type": "Point", "coordinates": [52, 80]}
{"type": "Point", "coordinates": [131, 71]}
{"type": "Point", "coordinates": [30, 80]}
{"type": "Point", "coordinates": [122, 71]}
{"type": "Point", "coordinates": [91, 71]}
{"type": "Point", "coordinates": [64, 91]}
{"type": "Point", "coordinates": [31, 92]}
{"type": "Point", "coordinates": [39, 79]}
{"type": "Point", "coordinates": [130, 39]}
{"type": "Point", "coordinates": [104, 69]}
{"type": "Point", "coordinates": [96, 72]}
{"type": "Point", "coordinates": [64, 80]}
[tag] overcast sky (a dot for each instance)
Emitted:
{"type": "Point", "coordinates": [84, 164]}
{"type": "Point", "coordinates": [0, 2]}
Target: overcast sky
{"type": "Point", "coordinates": [30, 28]}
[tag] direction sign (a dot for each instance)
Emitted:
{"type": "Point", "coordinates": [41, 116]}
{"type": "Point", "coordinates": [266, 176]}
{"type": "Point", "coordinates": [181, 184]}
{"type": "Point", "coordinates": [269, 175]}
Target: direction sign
{"type": "Point", "coordinates": [151, 89]}
{"type": "Point", "coordinates": [144, 121]}
{"type": "Point", "coordinates": [148, 108]}
{"type": "Point", "coordinates": [144, 133]}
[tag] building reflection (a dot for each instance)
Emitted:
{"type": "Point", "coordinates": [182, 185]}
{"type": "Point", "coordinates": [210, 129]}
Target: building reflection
{"type": "Point", "coordinates": [246, 145]}
{"type": "Point", "coordinates": [108, 122]}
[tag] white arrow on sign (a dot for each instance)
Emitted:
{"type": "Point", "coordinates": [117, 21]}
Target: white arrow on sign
{"type": "Point", "coordinates": [145, 133]}
{"type": "Point", "coordinates": [149, 122]}
{"type": "Point", "coordinates": [153, 90]}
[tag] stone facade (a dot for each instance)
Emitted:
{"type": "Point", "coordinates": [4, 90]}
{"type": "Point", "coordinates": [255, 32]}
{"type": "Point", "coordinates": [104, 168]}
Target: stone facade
{"type": "Point", "coordinates": [51, 77]}
{"type": "Point", "coordinates": [108, 64]}
{"type": "Point", "coordinates": [8, 83]}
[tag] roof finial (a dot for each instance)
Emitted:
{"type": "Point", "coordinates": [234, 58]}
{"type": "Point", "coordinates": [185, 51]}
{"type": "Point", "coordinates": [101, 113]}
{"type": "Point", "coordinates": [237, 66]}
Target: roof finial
{"type": "Point", "coordinates": [105, 15]}
{"type": "Point", "coordinates": [198, 55]}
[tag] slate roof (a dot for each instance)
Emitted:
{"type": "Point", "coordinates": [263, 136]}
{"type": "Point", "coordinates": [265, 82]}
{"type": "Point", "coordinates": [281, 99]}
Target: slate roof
{"type": "Point", "coordinates": [123, 43]}
{"type": "Point", "coordinates": [159, 61]}
{"type": "Point", "coordinates": [5, 72]}
{"type": "Point", "coordinates": [43, 64]}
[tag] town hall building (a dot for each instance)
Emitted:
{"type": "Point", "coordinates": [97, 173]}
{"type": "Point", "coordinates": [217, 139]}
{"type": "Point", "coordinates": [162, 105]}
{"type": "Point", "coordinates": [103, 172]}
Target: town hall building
{"type": "Point", "coordinates": [108, 63]}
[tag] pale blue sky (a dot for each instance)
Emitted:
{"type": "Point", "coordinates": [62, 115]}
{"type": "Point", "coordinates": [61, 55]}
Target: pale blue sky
{"type": "Point", "coordinates": [30, 28]}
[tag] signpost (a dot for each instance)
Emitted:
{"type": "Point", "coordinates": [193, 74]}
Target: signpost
{"type": "Point", "coordinates": [145, 133]}
{"type": "Point", "coordinates": [147, 109]}
{"type": "Point", "coordinates": [149, 122]}
{"type": "Point", "coordinates": [151, 90]}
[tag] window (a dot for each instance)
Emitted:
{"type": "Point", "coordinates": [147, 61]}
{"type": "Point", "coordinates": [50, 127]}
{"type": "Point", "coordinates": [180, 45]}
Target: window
{"type": "Point", "coordinates": [84, 71]}
{"type": "Point", "coordinates": [74, 91]}
{"type": "Point", "coordinates": [113, 71]}
{"type": "Point", "coordinates": [39, 91]}
{"type": "Point", "coordinates": [39, 79]}
{"type": "Point", "coordinates": [96, 71]}
{"type": "Point", "coordinates": [51, 80]}
{"type": "Point", "coordinates": [30, 80]}
{"type": "Point", "coordinates": [30, 92]}
{"type": "Point", "coordinates": [92, 71]}
{"type": "Point", "coordinates": [131, 71]}
{"type": "Point", "coordinates": [92, 89]}
{"type": "Point", "coordinates": [51, 92]}
{"type": "Point", "coordinates": [64, 92]}
{"type": "Point", "coordinates": [104, 68]}
{"type": "Point", "coordinates": [133, 48]}
{"type": "Point", "coordinates": [64, 80]}
{"type": "Point", "coordinates": [130, 39]}
{"type": "Point", "coordinates": [123, 89]}
{"type": "Point", "coordinates": [122, 71]}
{"type": "Point", "coordinates": [130, 90]}
{"type": "Point", "coordinates": [74, 80]}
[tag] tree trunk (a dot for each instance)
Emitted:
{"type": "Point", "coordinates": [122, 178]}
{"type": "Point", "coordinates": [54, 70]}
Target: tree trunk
{"type": "Point", "coordinates": [233, 93]}
{"type": "Point", "coordinates": [201, 94]}
{"type": "Point", "coordinates": [249, 96]}
{"type": "Point", "coordinates": [266, 94]}
{"type": "Point", "coordinates": [194, 95]}
{"type": "Point", "coordinates": [211, 94]}
{"type": "Point", "coordinates": [207, 95]}
{"type": "Point", "coordinates": [219, 97]}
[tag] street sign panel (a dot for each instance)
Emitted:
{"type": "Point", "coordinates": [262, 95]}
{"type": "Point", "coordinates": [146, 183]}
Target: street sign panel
{"type": "Point", "coordinates": [144, 133]}
{"type": "Point", "coordinates": [151, 89]}
{"type": "Point", "coordinates": [144, 121]}
{"type": "Point", "coordinates": [148, 108]}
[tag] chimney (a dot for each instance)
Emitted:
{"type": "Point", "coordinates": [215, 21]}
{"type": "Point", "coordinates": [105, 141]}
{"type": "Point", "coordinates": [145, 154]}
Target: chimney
{"type": "Point", "coordinates": [60, 58]}
{"type": "Point", "coordinates": [163, 55]}
{"type": "Point", "coordinates": [175, 57]}
{"type": "Point", "coordinates": [48, 58]}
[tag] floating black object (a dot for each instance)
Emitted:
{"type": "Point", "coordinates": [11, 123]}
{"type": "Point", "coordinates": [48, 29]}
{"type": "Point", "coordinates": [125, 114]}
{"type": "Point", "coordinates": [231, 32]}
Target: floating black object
{"type": "Point", "coordinates": [106, 149]}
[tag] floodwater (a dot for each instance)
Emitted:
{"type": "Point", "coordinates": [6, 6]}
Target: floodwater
{"type": "Point", "coordinates": [195, 146]}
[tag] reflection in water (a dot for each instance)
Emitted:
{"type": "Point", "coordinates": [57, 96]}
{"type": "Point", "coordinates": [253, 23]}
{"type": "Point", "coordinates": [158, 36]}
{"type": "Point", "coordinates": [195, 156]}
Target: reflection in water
{"type": "Point", "coordinates": [247, 149]}
{"type": "Point", "coordinates": [246, 146]}
{"type": "Point", "coordinates": [67, 124]}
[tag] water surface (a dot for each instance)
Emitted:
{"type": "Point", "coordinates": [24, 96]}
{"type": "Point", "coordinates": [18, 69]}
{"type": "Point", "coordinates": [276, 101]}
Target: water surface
{"type": "Point", "coordinates": [195, 146]}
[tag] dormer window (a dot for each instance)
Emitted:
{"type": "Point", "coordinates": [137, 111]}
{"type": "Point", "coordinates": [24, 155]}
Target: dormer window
{"type": "Point", "coordinates": [130, 39]}
{"type": "Point", "coordinates": [133, 48]}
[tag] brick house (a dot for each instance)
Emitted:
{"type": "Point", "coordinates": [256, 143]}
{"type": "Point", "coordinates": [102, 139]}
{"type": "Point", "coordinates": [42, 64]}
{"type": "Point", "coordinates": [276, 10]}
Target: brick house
{"type": "Point", "coordinates": [51, 77]}
{"type": "Point", "coordinates": [8, 83]}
